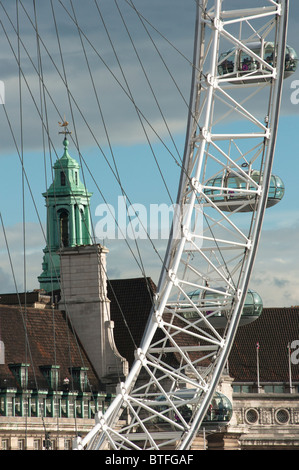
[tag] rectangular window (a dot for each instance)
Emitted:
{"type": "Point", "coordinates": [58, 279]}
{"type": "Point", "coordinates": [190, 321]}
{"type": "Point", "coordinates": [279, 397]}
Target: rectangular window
{"type": "Point", "coordinates": [242, 388]}
{"type": "Point", "coordinates": [79, 375]}
{"type": "Point", "coordinates": [4, 444]}
{"type": "Point", "coordinates": [20, 371]}
{"type": "Point", "coordinates": [21, 444]}
{"type": "Point", "coordinates": [51, 374]}
{"type": "Point", "coordinates": [274, 389]}
{"type": "Point", "coordinates": [67, 444]}
{"type": "Point", "coordinates": [62, 178]}
{"type": "Point", "coordinates": [36, 444]}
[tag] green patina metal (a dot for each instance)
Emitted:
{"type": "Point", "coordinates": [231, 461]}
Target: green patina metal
{"type": "Point", "coordinates": [68, 217]}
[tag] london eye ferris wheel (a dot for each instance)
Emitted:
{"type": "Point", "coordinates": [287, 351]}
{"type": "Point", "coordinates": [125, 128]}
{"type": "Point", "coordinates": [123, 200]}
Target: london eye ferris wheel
{"type": "Point", "coordinates": [240, 61]}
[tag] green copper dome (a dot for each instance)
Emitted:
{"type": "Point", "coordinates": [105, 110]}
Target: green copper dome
{"type": "Point", "coordinates": [66, 176]}
{"type": "Point", "coordinates": [66, 160]}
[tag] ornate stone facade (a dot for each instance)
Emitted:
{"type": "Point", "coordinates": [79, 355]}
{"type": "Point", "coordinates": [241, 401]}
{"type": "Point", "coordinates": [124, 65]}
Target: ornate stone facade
{"type": "Point", "coordinates": [266, 420]}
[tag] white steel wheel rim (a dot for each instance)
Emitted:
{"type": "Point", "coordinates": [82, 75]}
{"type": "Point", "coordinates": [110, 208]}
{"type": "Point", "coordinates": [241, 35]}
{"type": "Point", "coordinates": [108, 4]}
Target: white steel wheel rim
{"type": "Point", "coordinates": [226, 251]}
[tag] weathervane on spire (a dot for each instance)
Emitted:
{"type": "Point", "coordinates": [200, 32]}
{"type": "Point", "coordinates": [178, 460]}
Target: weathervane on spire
{"type": "Point", "coordinates": [64, 125]}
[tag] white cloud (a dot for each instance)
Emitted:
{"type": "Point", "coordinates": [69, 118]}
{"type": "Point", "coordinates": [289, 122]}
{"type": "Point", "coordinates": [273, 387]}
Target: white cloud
{"type": "Point", "coordinates": [276, 273]}
{"type": "Point", "coordinates": [16, 269]}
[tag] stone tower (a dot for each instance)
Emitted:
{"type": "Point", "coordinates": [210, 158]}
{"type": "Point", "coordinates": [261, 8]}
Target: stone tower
{"type": "Point", "coordinates": [84, 299]}
{"type": "Point", "coordinates": [68, 217]}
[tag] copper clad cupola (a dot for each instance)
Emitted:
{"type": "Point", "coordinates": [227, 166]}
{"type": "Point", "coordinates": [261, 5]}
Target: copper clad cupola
{"type": "Point", "coordinates": [68, 216]}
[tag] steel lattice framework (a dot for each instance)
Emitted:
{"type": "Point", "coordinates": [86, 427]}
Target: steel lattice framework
{"type": "Point", "coordinates": [231, 130]}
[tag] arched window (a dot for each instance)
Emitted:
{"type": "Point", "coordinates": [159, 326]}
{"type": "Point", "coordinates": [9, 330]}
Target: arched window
{"type": "Point", "coordinates": [64, 228]}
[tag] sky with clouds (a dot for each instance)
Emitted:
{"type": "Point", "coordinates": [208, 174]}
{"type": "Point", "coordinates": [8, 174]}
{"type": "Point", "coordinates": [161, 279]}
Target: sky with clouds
{"type": "Point", "coordinates": [136, 94]}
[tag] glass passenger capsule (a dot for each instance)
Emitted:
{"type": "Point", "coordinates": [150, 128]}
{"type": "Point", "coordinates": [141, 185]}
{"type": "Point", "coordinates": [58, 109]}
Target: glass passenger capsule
{"type": "Point", "coordinates": [231, 199]}
{"type": "Point", "coordinates": [220, 409]}
{"type": "Point", "coordinates": [238, 63]}
{"type": "Point", "coordinates": [217, 306]}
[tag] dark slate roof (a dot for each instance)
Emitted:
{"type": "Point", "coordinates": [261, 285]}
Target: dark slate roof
{"type": "Point", "coordinates": [273, 330]}
{"type": "Point", "coordinates": [131, 302]}
{"type": "Point", "coordinates": [28, 298]}
{"type": "Point", "coordinates": [51, 341]}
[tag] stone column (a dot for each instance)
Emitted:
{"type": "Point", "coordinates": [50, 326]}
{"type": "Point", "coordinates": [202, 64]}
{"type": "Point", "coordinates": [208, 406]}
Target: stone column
{"type": "Point", "coordinates": [72, 226]}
